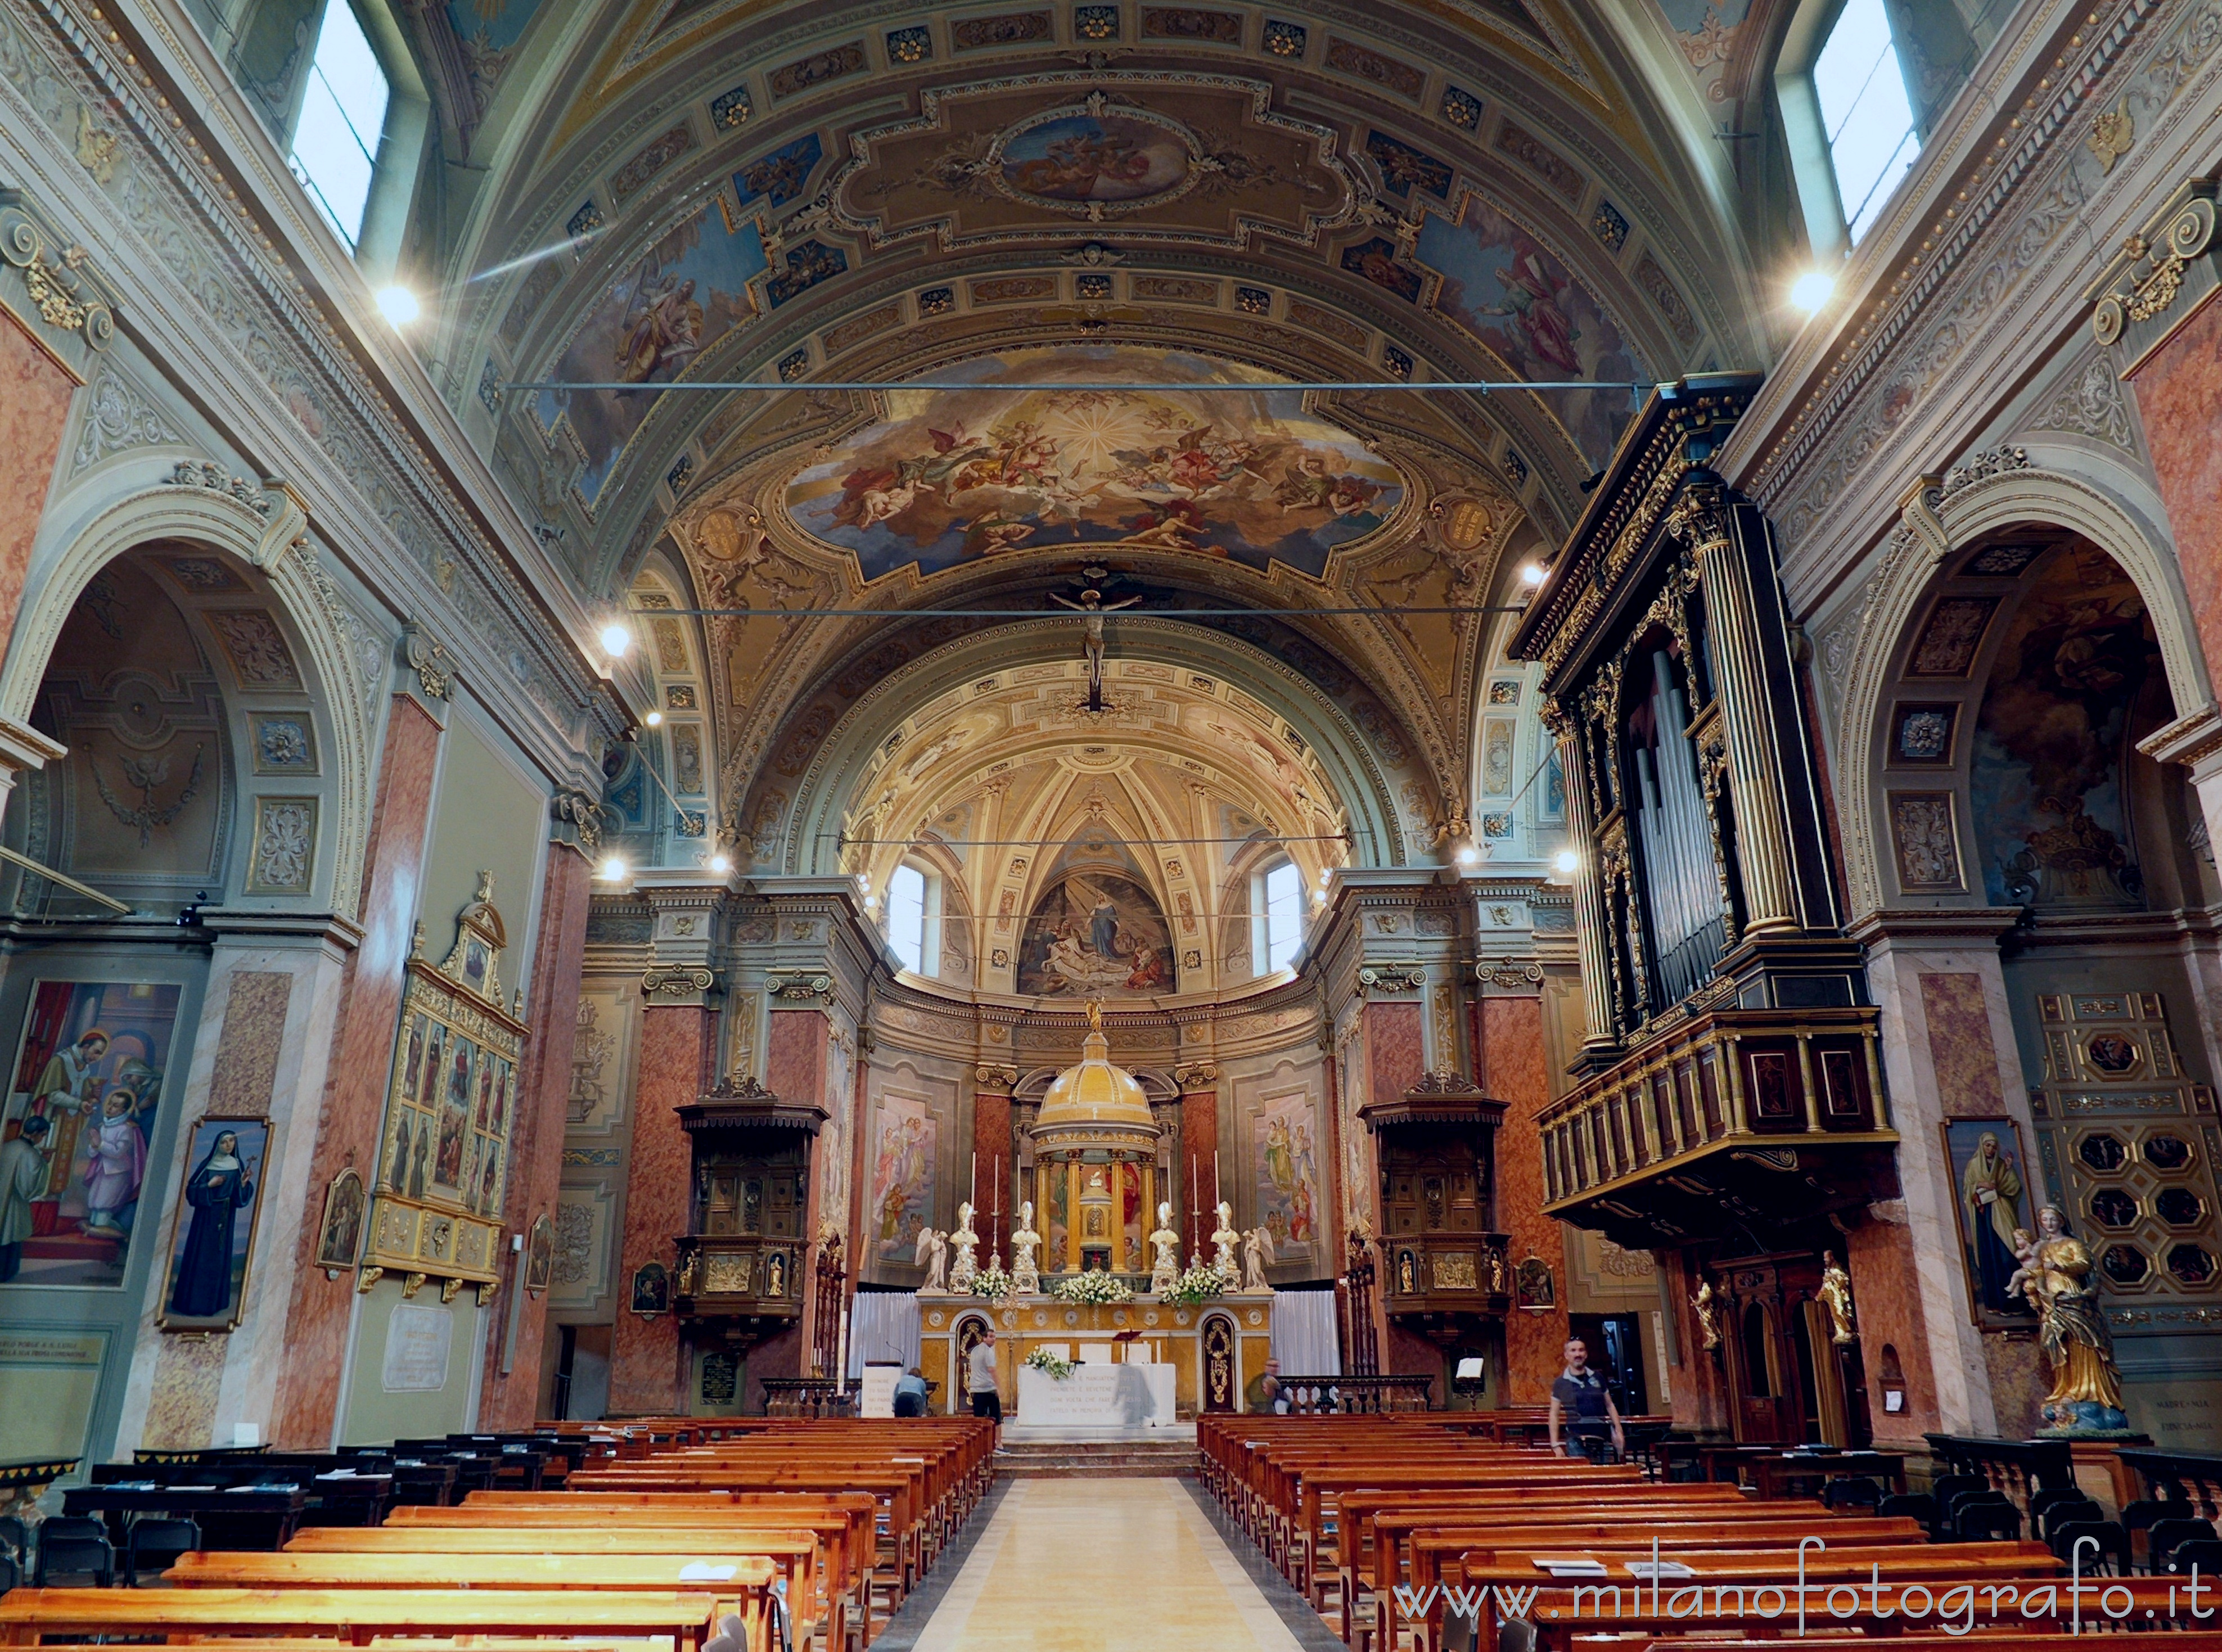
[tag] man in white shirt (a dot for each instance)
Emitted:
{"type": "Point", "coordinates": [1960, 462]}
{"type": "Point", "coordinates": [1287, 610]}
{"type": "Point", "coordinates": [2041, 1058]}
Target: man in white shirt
{"type": "Point", "coordinates": [981, 1378]}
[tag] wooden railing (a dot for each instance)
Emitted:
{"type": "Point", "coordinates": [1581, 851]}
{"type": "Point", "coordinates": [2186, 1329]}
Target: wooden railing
{"type": "Point", "coordinates": [2016, 1467]}
{"type": "Point", "coordinates": [2172, 1476]}
{"type": "Point", "coordinates": [1319, 1396]}
{"type": "Point", "coordinates": [807, 1397]}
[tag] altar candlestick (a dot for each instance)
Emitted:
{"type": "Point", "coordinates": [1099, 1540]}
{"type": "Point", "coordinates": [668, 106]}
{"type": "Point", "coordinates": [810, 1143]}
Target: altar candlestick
{"type": "Point", "coordinates": [1215, 1195]}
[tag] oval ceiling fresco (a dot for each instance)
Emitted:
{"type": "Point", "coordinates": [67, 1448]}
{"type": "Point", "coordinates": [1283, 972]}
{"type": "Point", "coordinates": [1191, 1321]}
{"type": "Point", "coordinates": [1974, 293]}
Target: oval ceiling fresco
{"type": "Point", "coordinates": [1240, 470]}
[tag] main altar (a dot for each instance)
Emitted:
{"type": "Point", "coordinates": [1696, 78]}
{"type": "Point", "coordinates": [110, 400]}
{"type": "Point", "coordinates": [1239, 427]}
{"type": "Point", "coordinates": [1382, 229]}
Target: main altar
{"type": "Point", "coordinates": [1143, 1350]}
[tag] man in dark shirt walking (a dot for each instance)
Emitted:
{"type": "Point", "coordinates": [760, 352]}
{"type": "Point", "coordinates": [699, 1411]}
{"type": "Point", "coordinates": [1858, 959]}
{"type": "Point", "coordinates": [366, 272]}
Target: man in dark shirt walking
{"type": "Point", "coordinates": [1580, 1398]}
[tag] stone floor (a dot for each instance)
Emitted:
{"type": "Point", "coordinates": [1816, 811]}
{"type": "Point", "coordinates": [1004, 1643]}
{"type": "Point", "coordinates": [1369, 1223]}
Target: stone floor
{"type": "Point", "coordinates": [1108, 1566]}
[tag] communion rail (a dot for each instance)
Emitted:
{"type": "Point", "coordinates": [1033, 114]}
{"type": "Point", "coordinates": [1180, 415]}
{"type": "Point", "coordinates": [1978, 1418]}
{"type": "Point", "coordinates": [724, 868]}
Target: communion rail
{"type": "Point", "coordinates": [1321, 1396]}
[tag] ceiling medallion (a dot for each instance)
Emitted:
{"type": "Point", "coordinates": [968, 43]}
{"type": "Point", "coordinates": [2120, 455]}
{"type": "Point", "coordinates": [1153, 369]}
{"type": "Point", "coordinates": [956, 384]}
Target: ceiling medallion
{"type": "Point", "coordinates": [1095, 159]}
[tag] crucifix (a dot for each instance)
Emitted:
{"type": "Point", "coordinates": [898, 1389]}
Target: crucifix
{"type": "Point", "coordinates": [1092, 608]}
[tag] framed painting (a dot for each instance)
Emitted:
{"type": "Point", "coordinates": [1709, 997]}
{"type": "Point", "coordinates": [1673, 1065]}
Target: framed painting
{"type": "Point", "coordinates": [339, 1238]}
{"type": "Point", "coordinates": [204, 1287]}
{"type": "Point", "coordinates": [78, 1127]}
{"type": "Point", "coordinates": [1994, 1202]}
{"type": "Point", "coordinates": [540, 1254]}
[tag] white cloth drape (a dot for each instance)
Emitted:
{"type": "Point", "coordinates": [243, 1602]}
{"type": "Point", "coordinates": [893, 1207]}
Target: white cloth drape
{"type": "Point", "coordinates": [1305, 1334]}
{"type": "Point", "coordinates": [882, 1325]}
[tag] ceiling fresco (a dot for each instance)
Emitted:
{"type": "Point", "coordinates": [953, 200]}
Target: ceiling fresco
{"type": "Point", "coordinates": [952, 476]}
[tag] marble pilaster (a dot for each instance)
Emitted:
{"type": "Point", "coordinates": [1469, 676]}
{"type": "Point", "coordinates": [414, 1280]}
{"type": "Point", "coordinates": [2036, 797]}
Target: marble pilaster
{"type": "Point", "coordinates": [1199, 1149]}
{"type": "Point", "coordinates": [647, 1363]}
{"type": "Point", "coordinates": [1512, 1063]}
{"type": "Point", "coordinates": [34, 403]}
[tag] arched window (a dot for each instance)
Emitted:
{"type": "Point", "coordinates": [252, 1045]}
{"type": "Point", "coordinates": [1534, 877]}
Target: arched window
{"type": "Point", "coordinates": [1865, 110]}
{"type": "Point", "coordinates": [1280, 907]}
{"type": "Point", "coordinates": [335, 142]}
{"type": "Point", "coordinates": [907, 918]}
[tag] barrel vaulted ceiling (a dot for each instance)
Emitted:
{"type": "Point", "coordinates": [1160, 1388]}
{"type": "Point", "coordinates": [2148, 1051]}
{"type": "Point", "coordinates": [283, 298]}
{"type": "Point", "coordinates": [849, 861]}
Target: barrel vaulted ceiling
{"type": "Point", "coordinates": [1082, 192]}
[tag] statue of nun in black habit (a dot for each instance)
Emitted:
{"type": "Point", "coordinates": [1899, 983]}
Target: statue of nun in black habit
{"type": "Point", "coordinates": [217, 1190]}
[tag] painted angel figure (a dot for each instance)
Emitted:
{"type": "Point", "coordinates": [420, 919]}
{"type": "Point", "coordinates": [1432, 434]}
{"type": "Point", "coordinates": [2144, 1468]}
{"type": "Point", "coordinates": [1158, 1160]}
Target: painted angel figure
{"type": "Point", "coordinates": [965, 1242]}
{"type": "Point", "coordinates": [1164, 1245]}
{"type": "Point", "coordinates": [1223, 1239]}
{"type": "Point", "coordinates": [1255, 1244]}
{"type": "Point", "coordinates": [933, 1255]}
{"type": "Point", "coordinates": [1025, 1276]}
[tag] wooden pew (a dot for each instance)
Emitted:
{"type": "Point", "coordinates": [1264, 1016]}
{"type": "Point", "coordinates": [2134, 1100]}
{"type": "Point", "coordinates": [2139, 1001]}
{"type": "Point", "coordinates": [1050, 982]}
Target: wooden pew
{"type": "Point", "coordinates": [356, 1616]}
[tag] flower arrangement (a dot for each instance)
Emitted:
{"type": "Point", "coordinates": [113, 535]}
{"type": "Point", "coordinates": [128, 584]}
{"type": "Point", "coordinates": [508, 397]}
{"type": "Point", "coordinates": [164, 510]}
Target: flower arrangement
{"type": "Point", "coordinates": [1196, 1285]}
{"type": "Point", "coordinates": [1042, 1360]}
{"type": "Point", "coordinates": [1094, 1290]}
{"type": "Point", "coordinates": [991, 1282]}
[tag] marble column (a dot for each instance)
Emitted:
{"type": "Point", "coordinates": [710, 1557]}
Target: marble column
{"type": "Point", "coordinates": [647, 1362]}
{"type": "Point", "coordinates": [509, 1396]}
{"type": "Point", "coordinates": [1199, 1147]}
{"type": "Point", "coordinates": [991, 1140]}
{"type": "Point", "coordinates": [353, 1103]}
{"type": "Point", "coordinates": [798, 1052]}
{"type": "Point", "coordinates": [1512, 1062]}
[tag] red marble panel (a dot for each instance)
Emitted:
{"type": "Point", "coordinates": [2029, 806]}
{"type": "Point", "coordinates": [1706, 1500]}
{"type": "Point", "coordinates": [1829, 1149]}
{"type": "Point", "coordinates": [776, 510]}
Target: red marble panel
{"type": "Point", "coordinates": [796, 1060]}
{"type": "Point", "coordinates": [1512, 1041]}
{"type": "Point", "coordinates": [1960, 1046]}
{"type": "Point", "coordinates": [1396, 1050]}
{"type": "Point", "coordinates": [1199, 1148]}
{"type": "Point", "coordinates": [353, 1104]}
{"type": "Point", "coordinates": [647, 1365]}
{"type": "Point", "coordinates": [1887, 1299]}
{"type": "Point", "coordinates": [536, 1153]}
{"type": "Point", "coordinates": [1700, 1384]}
{"type": "Point", "coordinates": [991, 1140]}
{"type": "Point", "coordinates": [34, 403]}
{"type": "Point", "coordinates": [2179, 391]}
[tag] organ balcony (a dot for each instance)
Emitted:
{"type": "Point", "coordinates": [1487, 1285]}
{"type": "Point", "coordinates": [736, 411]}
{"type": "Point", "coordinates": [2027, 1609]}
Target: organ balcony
{"type": "Point", "coordinates": [1726, 1119]}
{"type": "Point", "coordinates": [742, 1262]}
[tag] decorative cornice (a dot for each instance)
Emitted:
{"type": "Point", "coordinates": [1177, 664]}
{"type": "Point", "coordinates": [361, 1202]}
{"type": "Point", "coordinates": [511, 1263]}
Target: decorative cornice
{"type": "Point", "coordinates": [2192, 741]}
{"type": "Point", "coordinates": [431, 660]}
{"type": "Point", "coordinates": [2170, 258]}
{"type": "Point", "coordinates": [578, 818]}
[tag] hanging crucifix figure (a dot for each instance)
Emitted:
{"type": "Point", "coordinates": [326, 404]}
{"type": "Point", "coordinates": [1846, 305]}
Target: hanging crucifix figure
{"type": "Point", "coordinates": [1091, 608]}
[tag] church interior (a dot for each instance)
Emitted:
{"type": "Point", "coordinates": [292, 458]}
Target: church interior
{"type": "Point", "coordinates": [772, 780]}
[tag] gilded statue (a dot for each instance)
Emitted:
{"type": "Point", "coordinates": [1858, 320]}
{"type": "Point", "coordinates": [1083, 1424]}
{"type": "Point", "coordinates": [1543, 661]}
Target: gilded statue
{"type": "Point", "coordinates": [2055, 1277]}
{"type": "Point", "coordinates": [1835, 1295]}
{"type": "Point", "coordinates": [1164, 1246]}
{"type": "Point", "coordinates": [1025, 1274]}
{"type": "Point", "coordinates": [1709, 1322]}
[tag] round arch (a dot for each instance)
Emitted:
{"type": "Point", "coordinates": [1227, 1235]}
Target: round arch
{"type": "Point", "coordinates": [810, 839]}
{"type": "Point", "coordinates": [268, 531]}
{"type": "Point", "coordinates": [1940, 523]}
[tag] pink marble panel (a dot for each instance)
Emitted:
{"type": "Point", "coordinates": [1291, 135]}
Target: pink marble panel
{"type": "Point", "coordinates": [1396, 1050]}
{"type": "Point", "coordinates": [646, 1361]}
{"type": "Point", "coordinates": [794, 1055]}
{"type": "Point", "coordinates": [2179, 391]}
{"type": "Point", "coordinates": [353, 1104]}
{"type": "Point", "coordinates": [537, 1142]}
{"type": "Point", "coordinates": [1512, 1043]}
{"type": "Point", "coordinates": [1886, 1297]}
{"type": "Point", "coordinates": [35, 403]}
{"type": "Point", "coordinates": [1966, 1061]}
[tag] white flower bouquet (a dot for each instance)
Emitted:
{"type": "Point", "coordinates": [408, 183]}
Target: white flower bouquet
{"type": "Point", "coordinates": [1094, 1290]}
{"type": "Point", "coordinates": [1042, 1360]}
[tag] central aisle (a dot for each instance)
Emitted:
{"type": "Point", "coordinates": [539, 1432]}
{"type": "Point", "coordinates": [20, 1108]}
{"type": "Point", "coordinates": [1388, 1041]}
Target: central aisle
{"type": "Point", "coordinates": [1102, 1566]}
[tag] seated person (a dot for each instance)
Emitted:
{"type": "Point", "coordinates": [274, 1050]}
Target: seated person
{"type": "Point", "coordinates": [911, 1393]}
{"type": "Point", "coordinates": [1263, 1391]}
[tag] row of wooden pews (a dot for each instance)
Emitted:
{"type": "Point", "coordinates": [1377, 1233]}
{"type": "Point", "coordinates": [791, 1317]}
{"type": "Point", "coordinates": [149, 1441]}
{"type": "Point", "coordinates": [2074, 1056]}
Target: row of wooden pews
{"type": "Point", "coordinates": [775, 1534]}
{"type": "Point", "coordinates": [1411, 1532]}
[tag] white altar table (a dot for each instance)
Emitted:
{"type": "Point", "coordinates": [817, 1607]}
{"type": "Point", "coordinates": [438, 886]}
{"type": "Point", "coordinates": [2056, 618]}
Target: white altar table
{"type": "Point", "coordinates": [1098, 1397]}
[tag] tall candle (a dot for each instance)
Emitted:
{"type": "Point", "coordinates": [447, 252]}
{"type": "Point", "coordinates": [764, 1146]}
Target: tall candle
{"type": "Point", "coordinates": [976, 1179]}
{"type": "Point", "coordinates": [1216, 1196]}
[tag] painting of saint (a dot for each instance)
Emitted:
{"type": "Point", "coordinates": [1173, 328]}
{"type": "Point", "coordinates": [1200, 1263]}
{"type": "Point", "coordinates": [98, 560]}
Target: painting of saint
{"type": "Point", "coordinates": [1288, 1175]}
{"type": "Point", "coordinates": [1097, 935]}
{"type": "Point", "coordinates": [689, 290]}
{"type": "Point", "coordinates": [340, 1239]}
{"type": "Point", "coordinates": [1987, 1171]}
{"type": "Point", "coordinates": [1239, 469]}
{"type": "Point", "coordinates": [902, 1175]}
{"type": "Point", "coordinates": [455, 1116]}
{"type": "Point", "coordinates": [89, 1063]}
{"type": "Point", "coordinates": [2076, 679]}
{"type": "Point", "coordinates": [215, 1224]}
{"type": "Point", "coordinates": [1503, 287]}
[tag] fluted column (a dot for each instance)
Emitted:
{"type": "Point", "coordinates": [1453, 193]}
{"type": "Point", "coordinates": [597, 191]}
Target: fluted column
{"type": "Point", "coordinates": [1755, 780]}
{"type": "Point", "coordinates": [1589, 880]}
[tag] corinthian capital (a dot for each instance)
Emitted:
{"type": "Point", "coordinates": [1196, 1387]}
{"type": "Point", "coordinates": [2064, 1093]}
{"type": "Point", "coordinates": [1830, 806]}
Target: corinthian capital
{"type": "Point", "coordinates": [1700, 516]}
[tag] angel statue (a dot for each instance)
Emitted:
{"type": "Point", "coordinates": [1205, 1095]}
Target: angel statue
{"type": "Point", "coordinates": [1709, 1323]}
{"type": "Point", "coordinates": [965, 1242]}
{"type": "Point", "coordinates": [1835, 1295]}
{"type": "Point", "coordinates": [1255, 1243]}
{"type": "Point", "coordinates": [1164, 1245]}
{"type": "Point", "coordinates": [1224, 1238]}
{"type": "Point", "coordinates": [1025, 1277]}
{"type": "Point", "coordinates": [934, 1256]}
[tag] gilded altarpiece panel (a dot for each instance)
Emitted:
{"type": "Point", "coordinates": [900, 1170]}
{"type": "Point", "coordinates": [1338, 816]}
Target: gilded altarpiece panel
{"type": "Point", "coordinates": [444, 1159]}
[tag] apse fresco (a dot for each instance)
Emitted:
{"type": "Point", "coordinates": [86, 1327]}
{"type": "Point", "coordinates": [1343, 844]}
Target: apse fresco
{"type": "Point", "coordinates": [951, 476]}
{"type": "Point", "coordinates": [2052, 817]}
{"type": "Point", "coordinates": [1097, 935]}
{"type": "Point", "coordinates": [1501, 285]}
{"type": "Point", "coordinates": [689, 291]}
